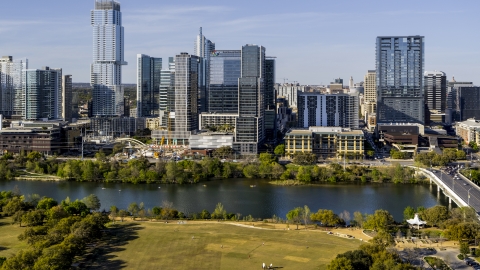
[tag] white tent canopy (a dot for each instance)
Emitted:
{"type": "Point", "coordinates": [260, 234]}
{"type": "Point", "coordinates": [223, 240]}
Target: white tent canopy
{"type": "Point", "coordinates": [416, 221]}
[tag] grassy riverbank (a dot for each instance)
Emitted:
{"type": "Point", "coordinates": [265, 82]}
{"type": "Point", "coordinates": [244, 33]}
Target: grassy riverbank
{"type": "Point", "coordinates": [9, 243]}
{"type": "Point", "coordinates": [216, 245]}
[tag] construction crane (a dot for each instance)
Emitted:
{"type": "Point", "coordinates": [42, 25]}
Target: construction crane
{"type": "Point", "coordinates": [284, 80]}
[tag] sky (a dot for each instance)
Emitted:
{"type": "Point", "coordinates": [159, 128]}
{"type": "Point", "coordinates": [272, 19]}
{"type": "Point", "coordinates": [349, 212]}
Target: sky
{"type": "Point", "coordinates": [314, 41]}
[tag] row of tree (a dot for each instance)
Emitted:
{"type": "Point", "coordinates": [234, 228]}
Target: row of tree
{"type": "Point", "coordinates": [189, 171]}
{"type": "Point", "coordinates": [434, 159]}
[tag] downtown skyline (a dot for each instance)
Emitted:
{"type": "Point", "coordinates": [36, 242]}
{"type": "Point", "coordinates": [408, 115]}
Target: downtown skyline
{"type": "Point", "coordinates": [313, 42]}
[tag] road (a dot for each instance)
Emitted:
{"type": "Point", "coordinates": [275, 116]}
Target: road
{"type": "Point", "coordinates": [460, 186]}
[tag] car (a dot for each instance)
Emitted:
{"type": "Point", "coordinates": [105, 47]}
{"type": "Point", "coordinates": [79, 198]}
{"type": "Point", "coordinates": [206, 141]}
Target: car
{"type": "Point", "coordinates": [465, 184]}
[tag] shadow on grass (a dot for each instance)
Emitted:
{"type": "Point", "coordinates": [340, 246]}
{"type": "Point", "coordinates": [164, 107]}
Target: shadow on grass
{"type": "Point", "coordinates": [100, 256]}
{"type": "Point", "coordinates": [3, 248]}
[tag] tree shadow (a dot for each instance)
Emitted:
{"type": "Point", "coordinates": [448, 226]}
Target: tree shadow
{"type": "Point", "coordinates": [100, 256]}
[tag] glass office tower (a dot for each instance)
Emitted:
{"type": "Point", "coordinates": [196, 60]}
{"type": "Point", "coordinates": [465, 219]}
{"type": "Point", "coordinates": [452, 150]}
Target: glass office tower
{"type": "Point", "coordinates": [108, 58]}
{"type": "Point", "coordinates": [399, 75]}
{"type": "Point", "coordinates": [148, 85]}
{"type": "Point", "coordinates": [225, 69]}
{"type": "Point", "coordinates": [203, 48]}
{"type": "Point", "coordinates": [250, 130]}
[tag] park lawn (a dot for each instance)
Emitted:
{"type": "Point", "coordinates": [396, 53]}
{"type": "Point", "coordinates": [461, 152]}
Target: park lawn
{"type": "Point", "coordinates": [9, 243]}
{"type": "Point", "coordinates": [155, 245]}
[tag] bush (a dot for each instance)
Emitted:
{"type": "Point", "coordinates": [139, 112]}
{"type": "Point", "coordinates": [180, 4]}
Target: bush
{"type": "Point", "coordinates": [460, 256]}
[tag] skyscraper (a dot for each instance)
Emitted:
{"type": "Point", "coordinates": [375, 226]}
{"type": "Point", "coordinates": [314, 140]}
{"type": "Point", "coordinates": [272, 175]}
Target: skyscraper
{"type": "Point", "coordinates": [399, 71]}
{"type": "Point", "coordinates": [108, 51]}
{"type": "Point", "coordinates": [203, 48]}
{"type": "Point", "coordinates": [186, 95]}
{"type": "Point", "coordinates": [370, 92]}
{"type": "Point", "coordinates": [67, 108]}
{"type": "Point", "coordinates": [167, 92]}
{"type": "Point", "coordinates": [225, 69]}
{"type": "Point", "coordinates": [12, 98]}
{"type": "Point", "coordinates": [250, 129]}
{"type": "Point", "coordinates": [435, 91]}
{"type": "Point", "coordinates": [43, 93]}
{"type": "Point", "coordinates": [148, 85]}
{"type": "Point", "coordinates": [270, 100]}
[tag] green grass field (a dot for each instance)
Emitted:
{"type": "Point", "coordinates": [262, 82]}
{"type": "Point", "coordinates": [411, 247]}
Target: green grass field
{"type": "Point", "coordinates": [9, 243]}
{"type": "Point", "coordinates": [155, 245]}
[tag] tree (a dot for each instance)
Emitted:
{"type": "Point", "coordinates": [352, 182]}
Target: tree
{"type": "Point", "coordinates": [77, 208]}
{"type": "Point", "coordinates": [464, 248]}
{"type": "Point", "coordinates": [122, 214]}
{"type": "Point", "coordinates": [46, 203]}
{"type": "Point", "coordinates": [133, 209]}
{"type": "Point", "coordinates": [341, 263]}
{"type": "Point", "coordinates": [379, 221]}
{"type": "Point", "coordinates": [304, 158]}
{"type": "Point", "coordinates": [359, 259]}
{"type": "Point", "coordinates": [34, 156]}
{"type": "Point", "coordinates": [358, 219]}
{"type": "Point", "coordinates": [113, 212]}
{"type": "Point", "coordinates": [14, 205]}
{"type": "Point", "coordinates": [17, 217]}
{"type": "Point", "coordinates": [383, 238]}
{"type": "Point", "coordinates": [279, 150]}
{"type": "Point", "coordinates": [156, 211]}
{"type": "Point", "coordinates": [294, 216]}
{"type": "Point", "coordinates": [33, 218]}
{"type": "Point", "coordinates": [326, 217]}
{"type": "Point", "coordinates": [267, 158]}
{"type": "Point", "coordinates": [408, 213]}
{"type": "Point", "coordinates": [345, 215]}
{"type": "Point", "coordinates": [219, 212]}
{"type": "Point", "coordinates": [223, 152]}
{"type": "Point", "coordinates": [306, 215]}
{"type": "Point", "coordinates": [435, 215]}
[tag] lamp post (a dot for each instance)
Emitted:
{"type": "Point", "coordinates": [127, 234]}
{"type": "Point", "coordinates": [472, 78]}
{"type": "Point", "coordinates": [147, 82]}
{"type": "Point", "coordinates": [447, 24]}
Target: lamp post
{"type": "Point", "coordinates": [468, 201]}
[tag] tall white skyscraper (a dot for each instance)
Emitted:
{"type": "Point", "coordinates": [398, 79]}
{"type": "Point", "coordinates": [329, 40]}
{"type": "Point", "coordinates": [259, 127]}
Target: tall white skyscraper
{"type": "Point", "coordinates": [12, 98]}
{"type": "Point", "coordinates": [108, 51]}
{"type": "Point", "coordinates": [203, 48]}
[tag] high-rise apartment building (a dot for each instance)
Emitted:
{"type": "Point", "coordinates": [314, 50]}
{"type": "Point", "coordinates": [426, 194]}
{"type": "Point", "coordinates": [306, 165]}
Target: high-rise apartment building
{"type": "Point", "coordinates": [328, 110]}
{"type": "Point", "coordinates": [108, 58]}
{"type": "Point", "coordinates": [67, 97]}
{"type": "Point", "coordinates": [148, 85]}
{"type": "Point", "coordinates": [250, 129]}
{"type": "Point", "coordinates": [167, 93]}
{"type": "Point", "coordinates": [12, 98]}
{"type": "Point", "coordinates": [467, 100]}
{"type": "Point", "coordinates": [370, 92]}
{"type": "Point", "coordinates": [270, 100]}
{"type": "Point", "coordinates": [225, 69]}
{"type": "Point", "coordinates": [435, 84]}
{"type": "Point", "coordinates": [203, 48]}
{"type": "Point", "coordinates": [187, 69]}
{"type": "Point", "coordinates": [43, 93]}
{"type": "Point", "coordinates": [399, 72]}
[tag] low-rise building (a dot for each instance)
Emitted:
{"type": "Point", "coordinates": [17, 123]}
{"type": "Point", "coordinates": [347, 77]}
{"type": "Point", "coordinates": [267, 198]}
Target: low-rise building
{"type": "Point", "coordinates": [209, 140]}
{"type": "Point", "coordinates": [44, 140]}
{"type": "Point", "coordinates": [469, 130]}
{"type": "Point", "coordinates": [326, 142]}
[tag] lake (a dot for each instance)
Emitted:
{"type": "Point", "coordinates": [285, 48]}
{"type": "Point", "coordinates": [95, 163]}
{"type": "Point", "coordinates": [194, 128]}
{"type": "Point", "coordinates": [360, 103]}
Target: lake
{"type": "Point", "coordinates": [262, 201]}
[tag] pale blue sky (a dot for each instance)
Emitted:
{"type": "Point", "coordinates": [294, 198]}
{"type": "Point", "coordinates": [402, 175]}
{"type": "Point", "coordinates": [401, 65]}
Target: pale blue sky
{"type": "Point", "coordinates": [314, 41]}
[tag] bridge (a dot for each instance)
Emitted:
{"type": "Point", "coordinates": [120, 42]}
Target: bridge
{"type": "Point", "coordinates": [458, 189]}
{"type": "Point", "coordinates": [138, 143]}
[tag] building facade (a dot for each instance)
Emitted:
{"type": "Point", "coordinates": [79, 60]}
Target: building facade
{"type": "Point", "coordinates": [108, 58]}
{"type": "Point", "coordinates": [148, 85]}
{"type": "Point", "coordinates": [370, 92]}
{"type": "Point", "coordinates": [315, 109]}
{"type": "Point", "coordinates": [469, 130]}
{"type": "Point", "coordinates": [225, 69]}
{"type": "Point", "coordinates": [12, 97]}
{"type": "Point", "coordinates": [167, 93]}
{"type": "Point", "coordinates": [43, 93]}
{"type": "Point", "coordinates": [250, 128]}
{"type": "Point", "coordinates": [67, 98]}
{"type": "Point", "coordinates": [203, 48]}
{"type": "Point", "coordinates": [399, 75]}
{"type": "Point", "coordinates": [326, 142]}
{"type": "Point", "coordinates": [435, 91]}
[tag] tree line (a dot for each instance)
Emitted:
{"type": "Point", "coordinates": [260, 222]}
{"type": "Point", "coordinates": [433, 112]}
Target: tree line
{"type": "Point", "coordinates": [140, 170]}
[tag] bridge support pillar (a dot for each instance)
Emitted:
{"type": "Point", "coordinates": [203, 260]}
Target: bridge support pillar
{"type": "Point", "coordinates": [449, 200]}
{"type": "Point", "coordinates": [438, 188]}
